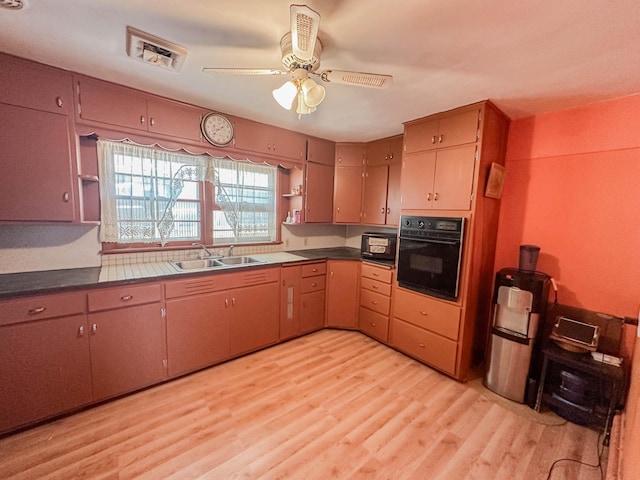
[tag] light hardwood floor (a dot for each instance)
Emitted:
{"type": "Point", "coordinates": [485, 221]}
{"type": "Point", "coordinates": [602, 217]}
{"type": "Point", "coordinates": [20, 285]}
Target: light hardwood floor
{"type": "Point", "coordinates": [333, 404]}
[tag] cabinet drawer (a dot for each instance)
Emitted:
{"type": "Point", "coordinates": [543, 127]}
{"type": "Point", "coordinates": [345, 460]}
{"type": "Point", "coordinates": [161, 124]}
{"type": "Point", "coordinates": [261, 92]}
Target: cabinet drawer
{"type": "Point", "coordinates": [217, 282]}
{"type": "Point", "coordinates": [314, 269]}
{"type": "Point", "coordinates": [374, 324]}
{"type": "Point", "coordinates": [123, 297]}
{"type": "Point", "coordinates": [427, 312]}
{"type": "Point", "coordinates": [376, 273]}
{"type": "Point", "coordinates": [424, 345]}
{"type": "Point", "coordinates": [375, 301]}
{"type": "Point", "coordinates": [42, 306]}
{"type": "Point", "coordinates": [375, 286]}
{"type": "Point", "coordinates": [313, 284]}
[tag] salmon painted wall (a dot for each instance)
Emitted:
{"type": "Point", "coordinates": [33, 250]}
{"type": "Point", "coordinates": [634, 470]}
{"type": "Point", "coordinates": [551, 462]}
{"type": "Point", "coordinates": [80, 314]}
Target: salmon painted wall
{"type": "Point", "coordinates": [573, 188]}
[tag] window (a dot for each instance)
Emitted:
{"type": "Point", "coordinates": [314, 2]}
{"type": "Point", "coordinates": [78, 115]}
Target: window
{"type": "Point", "coordinates": [155, 196]}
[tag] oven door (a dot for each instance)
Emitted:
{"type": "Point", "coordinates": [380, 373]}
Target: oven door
{"type": "Point", "coordinates": [430, 266]}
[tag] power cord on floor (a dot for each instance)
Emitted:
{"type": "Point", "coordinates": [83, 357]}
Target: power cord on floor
{"type": "Point", "coordinates": [599, 464]}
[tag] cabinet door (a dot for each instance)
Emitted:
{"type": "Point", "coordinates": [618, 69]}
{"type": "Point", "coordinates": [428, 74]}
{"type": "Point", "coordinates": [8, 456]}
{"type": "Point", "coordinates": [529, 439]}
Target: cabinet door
{"type": "Point", "coordinates": [112, 104]}
{"type": "Point", "coordinates": [350, 154]}
{"type": "Point", "coordinates": [172, 118]}
{"type": "Point", "coordinates": [393, 194]}
{"type": "Point", "coordinates": [458, 128]}
{"type": "Point", "coordinates": [196, 336]}
{"type": "Point", "coordinates": [312, 311]}
{"type": "Point", "coordinates": [347, 195]}
{"type": "Point", "coordinates": [342, 293]}
{"type": "Point", "coordinates": [321, 151]}
{"type": "Point", "coordinates": [255, 318]}
{"type": "Point", "coordinates": [453, 182]}
{"type": "Point", "coordinates": [127, 349]}
{"type": "Point", "coordinates": [261, 138]}
{"type": "Point", "coordinates": [374, 202]}
{"type": "Point", "coordinates": [416, 180]}
{"type": "Point", "coordinates": [44, 370]}
{"type": "Point", "coordinates": [290, 302]}
{"type": "Point", "coordinates": [36, 166]}
{"type": "Point", "coordinates": [27, 84]}
{"type": "Point", "coordinates": [421, 135]}
{"type": "Point", "coordinates": [319, 198]}
{"type": "Point", "coordinates": [378, 152]}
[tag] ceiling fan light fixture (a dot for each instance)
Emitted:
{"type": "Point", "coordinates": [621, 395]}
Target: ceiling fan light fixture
{"type": "Point", "coordinates": [286, 94]}
{"type": "Point", "coordinates": [312, 92]}
{"type": "Point", "coordinates": [302, 108]}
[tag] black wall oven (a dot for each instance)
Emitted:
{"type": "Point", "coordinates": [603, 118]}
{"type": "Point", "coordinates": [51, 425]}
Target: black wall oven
{"type": "Point", "coordinates": [430, 255]}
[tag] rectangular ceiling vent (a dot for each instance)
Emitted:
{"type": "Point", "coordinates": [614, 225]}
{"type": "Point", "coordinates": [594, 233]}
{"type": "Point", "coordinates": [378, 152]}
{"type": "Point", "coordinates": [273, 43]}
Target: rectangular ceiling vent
{"type": "Point", "coordinates": [154, 50]}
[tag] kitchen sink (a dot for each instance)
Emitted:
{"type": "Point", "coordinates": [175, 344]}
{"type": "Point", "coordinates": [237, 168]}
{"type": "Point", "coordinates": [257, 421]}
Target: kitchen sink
{"type": "Point", "coordinates": [238, 260]}
{"type": "Point", "coordinates": [211, 263]}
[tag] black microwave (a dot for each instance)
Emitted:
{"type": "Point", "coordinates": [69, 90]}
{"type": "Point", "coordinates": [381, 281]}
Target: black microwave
{"type": "Point", "coordinates": [379, 246]}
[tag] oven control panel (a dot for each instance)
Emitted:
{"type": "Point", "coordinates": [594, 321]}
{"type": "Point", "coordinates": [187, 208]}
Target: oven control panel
{"type": "Point", "coordinates": [431, 227]}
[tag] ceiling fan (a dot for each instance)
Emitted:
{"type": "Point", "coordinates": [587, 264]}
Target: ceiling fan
{"type": "Point", "coordinates": [301, 49]}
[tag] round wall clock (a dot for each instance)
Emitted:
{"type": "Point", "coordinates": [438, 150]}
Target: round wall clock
{"type": "Point", "coordinates": [217, 129]}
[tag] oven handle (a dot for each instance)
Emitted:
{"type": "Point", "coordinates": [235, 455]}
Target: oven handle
{"type": "Point", "coordinates": [431, 240]}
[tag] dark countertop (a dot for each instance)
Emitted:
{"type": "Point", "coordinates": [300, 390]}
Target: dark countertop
{"type": "Point", "coordinates": [54, 281]}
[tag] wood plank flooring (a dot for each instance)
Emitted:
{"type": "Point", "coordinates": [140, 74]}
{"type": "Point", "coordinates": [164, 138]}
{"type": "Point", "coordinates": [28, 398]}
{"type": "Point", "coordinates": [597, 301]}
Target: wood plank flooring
{"type": "Point", "coordinates": [330, 405]}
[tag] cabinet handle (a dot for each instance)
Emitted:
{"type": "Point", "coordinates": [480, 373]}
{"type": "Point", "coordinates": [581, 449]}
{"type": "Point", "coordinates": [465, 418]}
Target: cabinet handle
{"type": "Point", "coordinates": [331, 274]}
{"type": "Point", "coordinates": [433, 140]}
{"type": "Point", "coordinates": [35, 311]}
{"type": "Point", "coordinates": [314, 270]}
{"type": "Point", "coordinates": [382, 210]}
{"type": "Point", "coordinates": [422, 312]}
{"type": "Point", "coordinates": [429, 197]}
{"type": "Point", "coordinates": [374, 302]}
{"type": "Point", "coordinates": [435, 197]}
{"type": "Point", "coordinates": [314, 284]}
{"type": "Point", "coordinates": [338, 209]}
{"type": "Point", "coordinates": [152, 121]}
{"type": "Point", "coordinates": [226, 303]}
{"type": "Point", "coordinates": [372, 324]}
{"type": "Point", "coordinates": [391, 156]}
{"type": "Point", "coordinates": [388, 211]}
{"type": "Point", "coordinates": [375, 274]}
{"type": "Point", "coordinates": [81, 331]}
{"type": "Point", "coordinates": [142, 119]}
{"type": "Point", "coordinates": [65, 197]}
{"type": "Point", "coordinates": [440, 138]}
{"type": "Point", "coordinates": [59, 101]}
{"type": "Point", "coordinates": [94, 329]}
{"type": "Point", "coordinates": [421, 345]}
{"type": "Point", "coordinates": [339, 159]}
{"type": "Point", "coordinates": [233, 301]}
{"type": "Point", "coordinates": [375, 287]}
{"type": "Point", "coordinates": [126, 298]}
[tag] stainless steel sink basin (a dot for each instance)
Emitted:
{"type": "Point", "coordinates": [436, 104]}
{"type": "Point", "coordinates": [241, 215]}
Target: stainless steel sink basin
{"type": "Point", "coordinates": [210, 263]}
{"type": "Point", "coordinates": [197, 264]}
{"type": "Point", "coordinates": [237, 260]}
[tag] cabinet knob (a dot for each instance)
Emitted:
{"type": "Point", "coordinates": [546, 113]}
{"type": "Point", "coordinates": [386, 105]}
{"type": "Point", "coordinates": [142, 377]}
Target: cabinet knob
{"type": "Point", "coordinates": [314, 270]}
{"type": "Point", "coordinates": [422, 312]}
{"type": "Point", "coordinates": [440, 138]}
{"type": "Point", "coordinates": [435, 197]}
{"type": "Point", "coordinates": [36, 311]}
{"type": "Point", "coordinates": [421, 345]}
{"type": "Point", "coordinates": [429, 197]}
{"type": "Point", "coordinates": [59, 101]}
{"type": "Point", "coordinates": [126, 298]}
{"type": "Point", "coordinates": [233, 301]}
{"type": "Point", "coordinates": [382, 210]}
{"type": "Point", "coordinates": [81, 331]}
{"type": "Point", "coordinates": [314, 284]}
{"type": "Point", "coordinates": [226, 303]}
{"type": "Point", "coordinates": [94, 328]}
{"type": "Point", "coordinates": [388, 211]}
{"type": "Point", "coordinates": [374, 302]}
{"type": "Point", "coordinates": [433, 140]}
{"type": "Point", "coordinates": [65, 197]}
{"type": "Point", "coordinates": [338, 209]}
{"type": "Point", "coordinates": [375, 274]}
{"type": "Point", "coordinates": [375, 287]}
{"type": "Point", "coordinates": [152, 121]}
{"type": "Point", "coordinates": [142, 119]}
{"type": "Point", "coordinates": [339, 159]}
{"type": "Point", "coordinates": [372, 324]}
{"type": "Point", "coordinates": [391, 156]}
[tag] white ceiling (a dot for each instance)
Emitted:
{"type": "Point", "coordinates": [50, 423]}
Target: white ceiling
{"type": "Point", "coordinates": [526, 56]}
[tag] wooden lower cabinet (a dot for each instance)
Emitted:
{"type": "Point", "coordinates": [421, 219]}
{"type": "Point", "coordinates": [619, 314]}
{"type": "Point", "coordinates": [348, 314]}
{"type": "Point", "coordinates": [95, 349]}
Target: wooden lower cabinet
{"type": "Point", "coordinates": [343, 281]}
{"type": "Point", "coordinates": [375, 301]}
{"type": "Point", "coordinates": [127, 349]}
{"type": "Point", "coordinates": [302, 306]}
{"type": "Point", "coordinates": [374, 324]}
{"type": "Point", "coordinates": [424, 345]}
{"type": "Point", "coordinates": [45, 370]}
{"type": "Point", "coordinates": [196, 336]}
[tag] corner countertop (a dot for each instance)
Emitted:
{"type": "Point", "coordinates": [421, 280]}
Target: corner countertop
{"type": "Point", "coordinates": [54, 281]}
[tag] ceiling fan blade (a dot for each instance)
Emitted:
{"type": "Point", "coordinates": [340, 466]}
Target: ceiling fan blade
{"type": "Point", "coordinates": [243, 71]}
{"type": "Point", "coordinates": [304, 31]}
{"type": "Point", "coordinates": [371, 80]}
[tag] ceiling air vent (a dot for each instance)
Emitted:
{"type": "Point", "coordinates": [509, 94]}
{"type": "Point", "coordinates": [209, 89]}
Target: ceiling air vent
{"type": "Point", "coordinates": [154, 50]}
{"type": "Point", "coordinates": [12, 4]}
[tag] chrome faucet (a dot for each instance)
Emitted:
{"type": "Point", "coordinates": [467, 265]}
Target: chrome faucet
{"type": "Point", "coordinates": [231, 250]}
{"type": "Point", "coordinates": [206, 252]}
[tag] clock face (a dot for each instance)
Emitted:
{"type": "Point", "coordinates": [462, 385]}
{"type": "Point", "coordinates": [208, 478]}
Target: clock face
{"type": "Point", "coordinates": [217, 129]}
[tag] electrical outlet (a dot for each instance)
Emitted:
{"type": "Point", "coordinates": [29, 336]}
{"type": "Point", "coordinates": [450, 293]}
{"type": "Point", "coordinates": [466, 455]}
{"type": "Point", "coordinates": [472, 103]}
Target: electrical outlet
{"type": "Point", "coordinates": [306, 241]}
{"type": "Point", "coordinates": [286, 242]}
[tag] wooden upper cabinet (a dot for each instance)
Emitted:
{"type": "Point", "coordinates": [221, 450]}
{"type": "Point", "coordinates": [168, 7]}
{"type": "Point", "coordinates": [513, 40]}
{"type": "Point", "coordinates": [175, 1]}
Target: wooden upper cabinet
{"type": "Point", "coordinates": [385, 151]}
{"type": "Point", "coordinates": [31, 85]}
{"type": "Point", "coordinates": [120, 106]}
{"type": "Point", "coordinates": [444, 130]}
{"type": "Point", "coordinates": [350, 154]}
{"type": "Point", "coordinates": [374, 201]}
{"type": "Point", "coordinates": [393, 194]}
{"type": "Point", "coordinates": [266, 139]}
{"type": "Point", "coordinates": [319, 193]}
{"type": "Point", "coordinates": [37, 166]}
{"type": "Point", "coordinates": [321, 151]}
{"type": "Point", "coordinates": [104, 102]}
{"type": "Point", "coordinates": [174, 118]}
{"type": "Point", "coordinates": [347, 195]}
{"type": "Point", "coordinates": [440, 179]}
